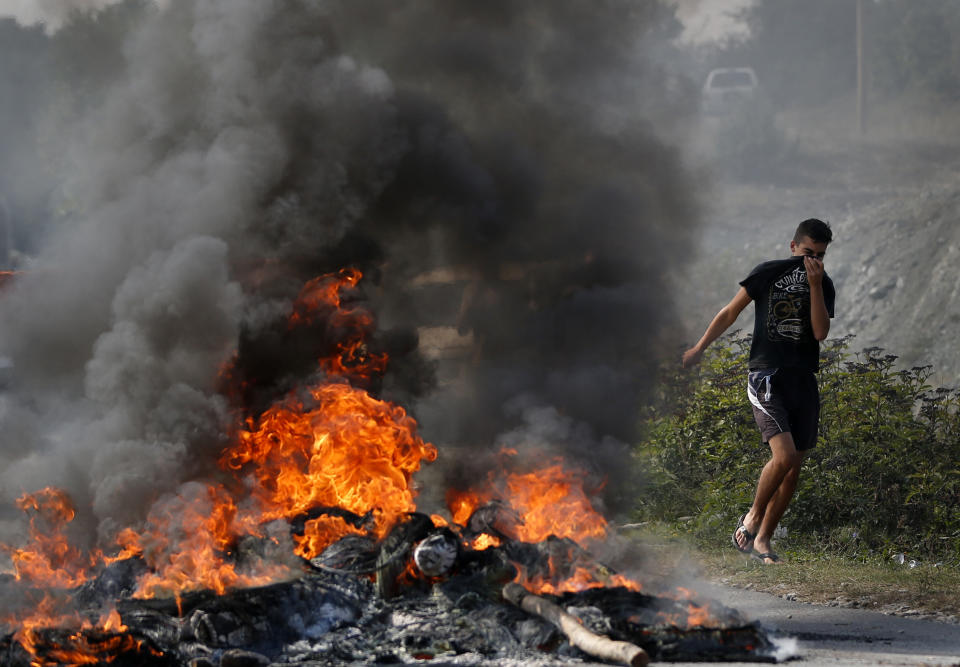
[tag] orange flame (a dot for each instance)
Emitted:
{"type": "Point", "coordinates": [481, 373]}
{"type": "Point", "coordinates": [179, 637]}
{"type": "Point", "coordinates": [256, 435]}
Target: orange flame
{"type": "Point", "coordinates": [485, 541]}
{"type": "Point", "coordinates": [319, 533]}
{"type": "Point", "coordinates": [49, 559]}
{"type": "Point", "coordinates": [549, 502]}
{"type": "Point", "coordinates": [583, 578]}
{"type": "Point", "coordinates": [464, 503]}
{"type": "Point", "coordinates": [185, 541]}
{"type": "Point", "coordinates": [321, 293]}
{"type": "Point", "coordinates": [344, 449]}
{"type": "Point", "coordinates": [697, 614]}
{"type": "Point", "coordinates": [82, 648]}
{"type": "Point", "coordinates": [52, 612]}
{"type": "Point", "coordinates": [321, 296]}
{"type": "Point", "coordinates": [347, 450]}
{"type": "Point", "coordinates": [553, 502]}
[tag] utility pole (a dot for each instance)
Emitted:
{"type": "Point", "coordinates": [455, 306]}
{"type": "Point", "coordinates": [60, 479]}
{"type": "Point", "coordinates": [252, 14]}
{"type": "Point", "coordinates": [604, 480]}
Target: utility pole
{"type": "Point", "coordinates": [861, 74]}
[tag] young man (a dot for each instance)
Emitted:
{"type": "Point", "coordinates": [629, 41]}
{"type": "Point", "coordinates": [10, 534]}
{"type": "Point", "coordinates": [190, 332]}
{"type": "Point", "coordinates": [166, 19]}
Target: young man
{"type": "Point", "coordinates": [794, 301]}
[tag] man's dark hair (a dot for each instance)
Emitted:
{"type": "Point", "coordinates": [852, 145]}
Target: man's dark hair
{"type": "Point", "coordinates": [818, 231]}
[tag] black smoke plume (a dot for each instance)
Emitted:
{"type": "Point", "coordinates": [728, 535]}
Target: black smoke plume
{"type": "Point", "coordinates": [247, 146]}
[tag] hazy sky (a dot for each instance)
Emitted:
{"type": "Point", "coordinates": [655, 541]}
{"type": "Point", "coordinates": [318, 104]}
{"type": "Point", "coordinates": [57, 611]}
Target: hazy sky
{"type": "Point", "coordinates": [50, 13]}
{"type": "Point", "coordinates": [707, 21]}
{"type": "Point", "coordinates": [704, 21]}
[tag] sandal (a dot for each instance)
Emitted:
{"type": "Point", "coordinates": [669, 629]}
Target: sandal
{"type": "Point", "coordinates": [768, 556]}
{"type": "Point", "coordinates": [748, 546]}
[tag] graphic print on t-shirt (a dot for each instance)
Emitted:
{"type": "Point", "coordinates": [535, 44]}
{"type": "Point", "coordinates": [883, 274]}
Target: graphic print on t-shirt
{"type": "Point", "coordinates": [788, 306]}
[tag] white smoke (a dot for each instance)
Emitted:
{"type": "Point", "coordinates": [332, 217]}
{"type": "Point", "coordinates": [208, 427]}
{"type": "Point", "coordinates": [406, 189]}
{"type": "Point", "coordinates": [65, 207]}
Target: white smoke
{"type": "Point", "coordinates": [53, 14]}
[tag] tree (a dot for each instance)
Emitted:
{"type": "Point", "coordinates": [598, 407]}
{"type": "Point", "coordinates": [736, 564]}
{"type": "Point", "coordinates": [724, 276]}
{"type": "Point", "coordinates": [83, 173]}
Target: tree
{"type": "Point", "coordinates": [914, 46]}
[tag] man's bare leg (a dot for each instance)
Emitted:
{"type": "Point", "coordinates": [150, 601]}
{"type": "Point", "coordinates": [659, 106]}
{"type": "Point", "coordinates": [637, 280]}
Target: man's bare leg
{"type": "Point", "coordinates": [775, 488]}
{"type": "Point", "coordinates": [777, 506]}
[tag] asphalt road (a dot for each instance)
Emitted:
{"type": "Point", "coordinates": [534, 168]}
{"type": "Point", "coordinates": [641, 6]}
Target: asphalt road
{"type": "Point", "coordinates": [818, 635]}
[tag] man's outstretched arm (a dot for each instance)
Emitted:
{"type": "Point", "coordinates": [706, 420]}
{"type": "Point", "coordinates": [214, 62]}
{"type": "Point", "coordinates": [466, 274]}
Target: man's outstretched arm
{"type": "Point", "coordinates": [720, 323]}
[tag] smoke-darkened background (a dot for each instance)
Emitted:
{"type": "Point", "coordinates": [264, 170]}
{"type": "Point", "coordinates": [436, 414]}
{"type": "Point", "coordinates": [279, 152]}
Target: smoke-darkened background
{"type": "Point", "coordinates": [508, 177]}
{"type": "Point", "coordinates": [173, 174]}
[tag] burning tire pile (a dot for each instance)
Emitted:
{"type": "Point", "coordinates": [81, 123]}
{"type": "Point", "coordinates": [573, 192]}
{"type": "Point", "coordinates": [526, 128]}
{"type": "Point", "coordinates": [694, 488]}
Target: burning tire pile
{"type": "Point", "coordinates": [331, 616]}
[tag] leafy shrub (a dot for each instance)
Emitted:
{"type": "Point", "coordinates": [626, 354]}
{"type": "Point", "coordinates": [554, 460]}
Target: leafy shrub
{"type": "Point", "coordinates": [885, 474]}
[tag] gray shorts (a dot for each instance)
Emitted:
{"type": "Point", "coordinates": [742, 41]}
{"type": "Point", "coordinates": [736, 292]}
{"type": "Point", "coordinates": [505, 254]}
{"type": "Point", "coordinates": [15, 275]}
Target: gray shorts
{"type": "Point", "coordinates": [786, 400]}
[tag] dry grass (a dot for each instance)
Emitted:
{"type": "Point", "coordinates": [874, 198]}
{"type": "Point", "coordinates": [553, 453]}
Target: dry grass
{"type": "Point", "coordinates": [921, 590]}
{"type": "Point", "coordinates": [925, 591]}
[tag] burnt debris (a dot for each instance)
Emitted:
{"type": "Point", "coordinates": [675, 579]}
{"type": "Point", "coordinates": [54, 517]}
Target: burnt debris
{"type": "Point", "coordinates": [361, 602]}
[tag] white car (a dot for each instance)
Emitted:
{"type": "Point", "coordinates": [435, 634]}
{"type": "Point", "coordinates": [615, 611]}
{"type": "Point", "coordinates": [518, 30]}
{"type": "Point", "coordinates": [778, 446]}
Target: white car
{"type": "Point", "coordinates": [728, 88]}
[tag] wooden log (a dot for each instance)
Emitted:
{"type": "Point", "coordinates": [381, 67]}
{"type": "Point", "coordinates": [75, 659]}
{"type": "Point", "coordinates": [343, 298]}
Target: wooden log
{"type": "Point", "coordinates": [590, 643]}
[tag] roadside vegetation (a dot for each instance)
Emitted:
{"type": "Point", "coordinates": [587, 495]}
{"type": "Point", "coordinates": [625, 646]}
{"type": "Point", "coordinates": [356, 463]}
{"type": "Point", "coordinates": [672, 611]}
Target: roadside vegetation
{"type": "Point", "coordinates": [879, 494]}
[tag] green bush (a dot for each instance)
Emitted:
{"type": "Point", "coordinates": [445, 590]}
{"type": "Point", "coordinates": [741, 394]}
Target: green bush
{"type": "Point", "coordinates": [884, 477]}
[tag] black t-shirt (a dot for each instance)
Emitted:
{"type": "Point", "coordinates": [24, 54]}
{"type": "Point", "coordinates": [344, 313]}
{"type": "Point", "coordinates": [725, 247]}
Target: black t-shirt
{"type": "Point", "coordinates": [782, 332]}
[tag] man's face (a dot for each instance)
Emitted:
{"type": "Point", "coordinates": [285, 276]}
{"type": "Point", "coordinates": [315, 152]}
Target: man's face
{"type": "Point", "coordinates": [807, 247]}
